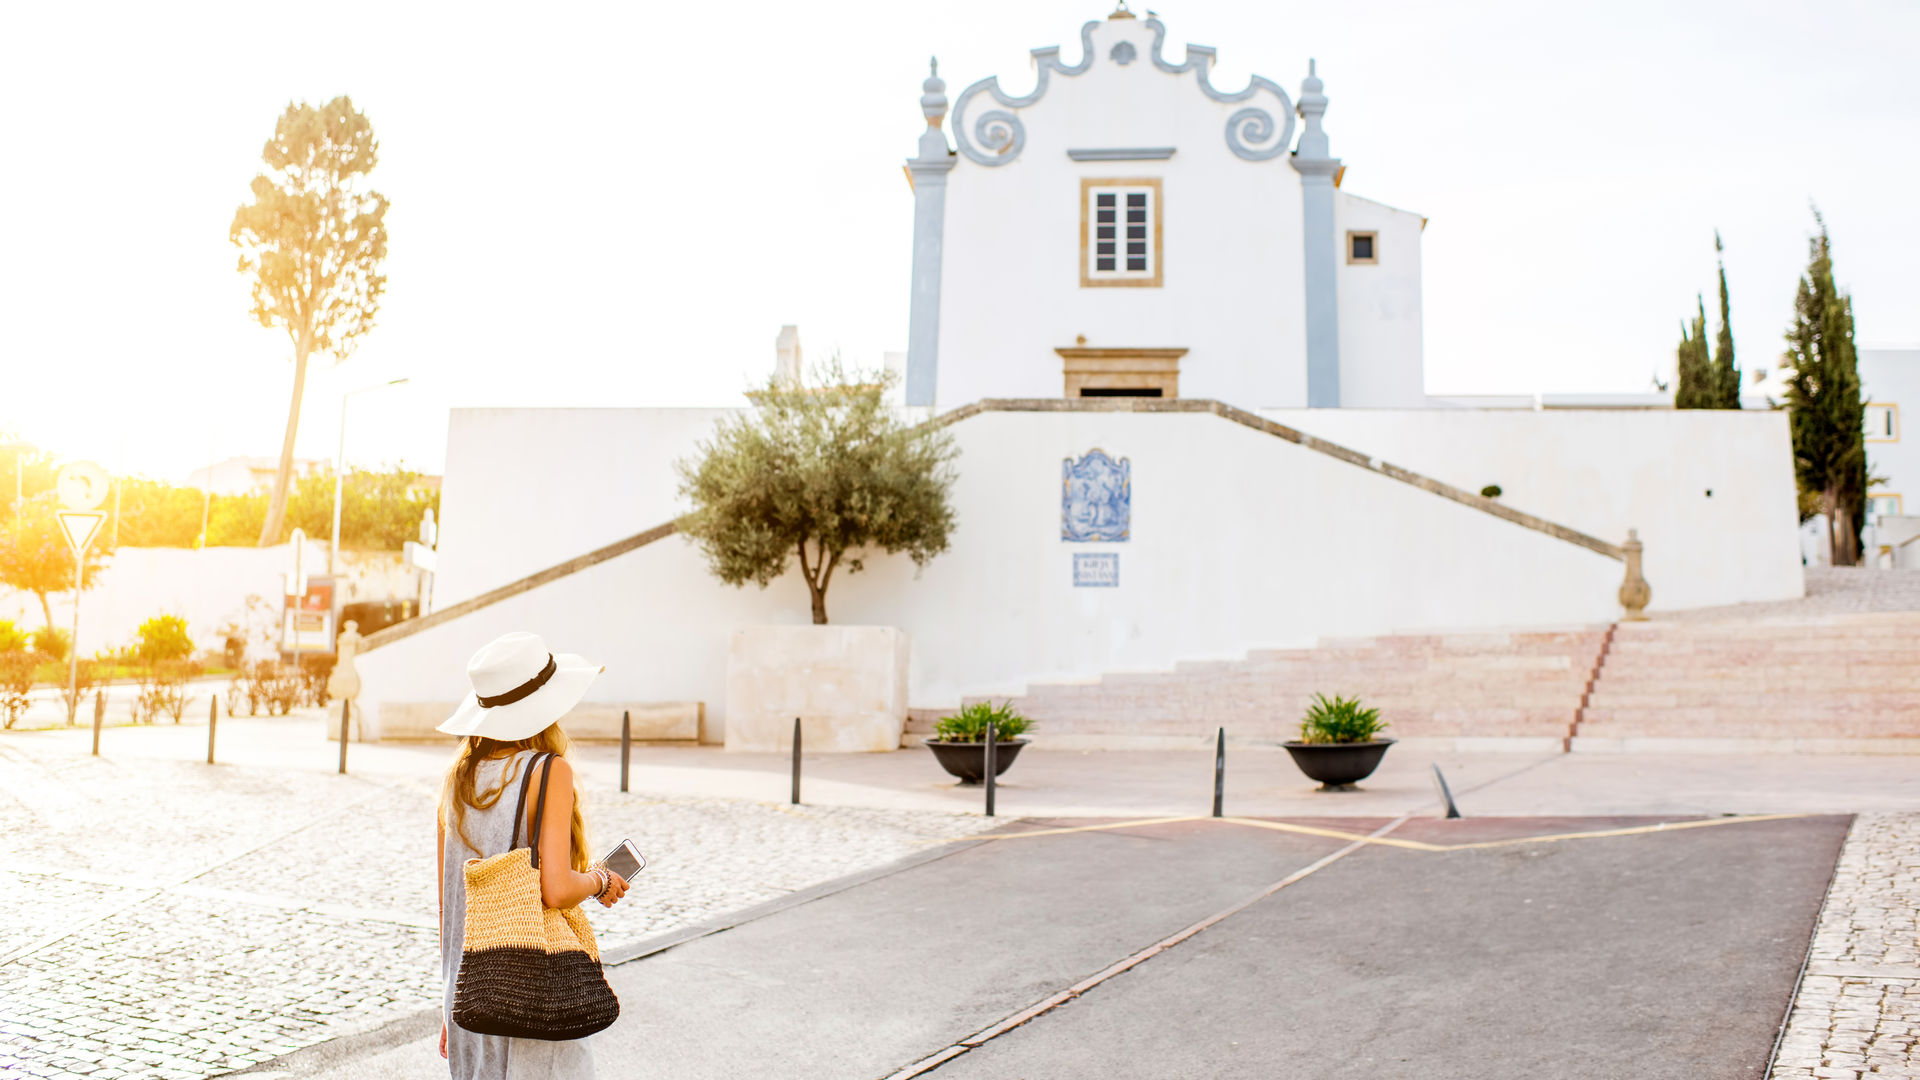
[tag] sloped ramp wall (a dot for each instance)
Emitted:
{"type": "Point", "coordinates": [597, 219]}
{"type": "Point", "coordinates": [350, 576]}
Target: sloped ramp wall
{"type": "Point", "coordinates": [1237, 540]}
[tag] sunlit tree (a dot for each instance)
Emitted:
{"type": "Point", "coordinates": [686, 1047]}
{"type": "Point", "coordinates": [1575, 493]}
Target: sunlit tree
{"type": "Point", "coordinates": [312, 241]}
{"type": "Point", "coordinates": [35, 556]}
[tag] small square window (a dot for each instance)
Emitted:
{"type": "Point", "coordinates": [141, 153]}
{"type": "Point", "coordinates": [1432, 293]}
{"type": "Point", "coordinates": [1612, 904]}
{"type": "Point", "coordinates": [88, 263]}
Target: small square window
{"type": "Point", "coordinates": [1362, 247]}
{"type": "Point", "coordinates": [1120, 222]}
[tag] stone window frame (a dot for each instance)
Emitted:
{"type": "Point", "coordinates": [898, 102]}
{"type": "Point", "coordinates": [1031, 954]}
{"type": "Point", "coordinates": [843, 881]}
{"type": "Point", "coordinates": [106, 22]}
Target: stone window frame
{"type": "Point", "coordinates": [1121, 368]}
{"type": "Point", "coordinates": [1372, 235]}
{"type": "Point", "coordinates": [1156, 251]}
{"type": "Point", "coordinates": [1893, 413]}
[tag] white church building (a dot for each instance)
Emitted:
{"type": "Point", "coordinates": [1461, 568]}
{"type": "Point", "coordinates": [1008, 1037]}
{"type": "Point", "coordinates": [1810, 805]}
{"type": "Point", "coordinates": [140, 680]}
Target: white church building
{"type": "Point", "coordinates": [1173, 239]}
{"type": "Point", "coordinates": [1124, 272]}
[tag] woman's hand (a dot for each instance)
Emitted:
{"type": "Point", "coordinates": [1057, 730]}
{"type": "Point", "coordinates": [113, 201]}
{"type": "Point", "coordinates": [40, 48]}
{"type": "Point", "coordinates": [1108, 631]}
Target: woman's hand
{"type": "Point", "coordinates": [443, 1038]}
{"type": "Point", "coordinates": [616, 888]}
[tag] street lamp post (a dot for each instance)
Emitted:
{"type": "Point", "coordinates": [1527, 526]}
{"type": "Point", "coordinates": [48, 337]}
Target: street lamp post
{"type": "Point", "coordinates": [339, 473]}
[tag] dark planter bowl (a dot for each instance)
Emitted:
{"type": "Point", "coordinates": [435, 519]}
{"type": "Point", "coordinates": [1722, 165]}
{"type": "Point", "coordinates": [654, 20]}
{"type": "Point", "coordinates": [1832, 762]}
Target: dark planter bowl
{"type": "Point", "coordinates": [1338, 765]}
{"type": "Point", "coordinates": [968, 760]}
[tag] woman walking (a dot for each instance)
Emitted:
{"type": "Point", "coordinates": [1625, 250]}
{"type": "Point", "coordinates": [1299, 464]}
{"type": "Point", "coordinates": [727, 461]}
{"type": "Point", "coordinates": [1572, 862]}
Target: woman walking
{"type": "Point", "coordinates": [508, 725]}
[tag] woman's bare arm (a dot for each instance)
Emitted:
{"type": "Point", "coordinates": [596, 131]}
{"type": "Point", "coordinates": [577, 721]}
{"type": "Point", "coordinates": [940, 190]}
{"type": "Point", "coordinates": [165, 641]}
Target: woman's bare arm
{"type": "Point", "coordinates": [561, 886]}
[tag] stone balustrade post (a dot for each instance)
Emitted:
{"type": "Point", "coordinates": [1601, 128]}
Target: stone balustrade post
{"type": "Point", "coordinates": [1635, 593]}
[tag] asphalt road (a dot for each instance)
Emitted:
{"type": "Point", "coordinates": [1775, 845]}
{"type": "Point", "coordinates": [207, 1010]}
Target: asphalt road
{"type": "Point", "coordinates": [1661, 953]}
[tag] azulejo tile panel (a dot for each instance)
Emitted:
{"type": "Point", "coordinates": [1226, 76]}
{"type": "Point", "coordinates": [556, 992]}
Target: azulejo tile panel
{"type": "Point", "coordinates": [1096, 498]}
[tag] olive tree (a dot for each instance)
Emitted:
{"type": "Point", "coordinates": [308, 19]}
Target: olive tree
{"type": "Point", "coordinates": [823, 474]}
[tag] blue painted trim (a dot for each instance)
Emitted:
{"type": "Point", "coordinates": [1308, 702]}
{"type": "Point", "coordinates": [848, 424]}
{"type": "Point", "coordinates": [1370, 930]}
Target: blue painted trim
{"type": "Point", "coordinates": [1145, 153]}
{"type": "Point", "coordinates": [929, 244]}
{"type": "Point", "coordinates": [997, 136]}
{"type": "Point", "coordinates": [1249, 125]}
{"type": "Point", "coordinates": [1317, 168]}
{"type": "Point", "coordinates": [929, 173]}
{"type": "Point", "coordinates": [1001, 132]}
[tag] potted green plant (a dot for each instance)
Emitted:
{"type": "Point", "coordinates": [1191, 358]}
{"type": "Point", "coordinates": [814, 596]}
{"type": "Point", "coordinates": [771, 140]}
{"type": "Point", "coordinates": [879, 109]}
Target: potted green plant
{"type": "Point", "coordinates": [1340, 743]}
{"type": "Point", "coordinates": [960, 741]}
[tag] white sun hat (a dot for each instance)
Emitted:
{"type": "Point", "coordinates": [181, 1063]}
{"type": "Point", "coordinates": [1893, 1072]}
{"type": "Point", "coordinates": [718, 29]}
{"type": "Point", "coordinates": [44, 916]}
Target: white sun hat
{"type": "Point", "coordinates": [519, 688]}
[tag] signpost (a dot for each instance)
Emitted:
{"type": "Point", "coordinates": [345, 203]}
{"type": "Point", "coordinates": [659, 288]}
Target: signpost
{"type": "Point", "coordinates": [83, 486]}
{"type": "Point", "coordinates": [296, 593]}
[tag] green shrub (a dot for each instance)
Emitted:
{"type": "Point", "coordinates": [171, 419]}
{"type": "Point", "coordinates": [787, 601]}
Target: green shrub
{"type": "Point", "coordinates": [12, 638]}
{"type": "Point", "coordinates": [1340, 720]}
{"type": "Point", "coordinates": [52, 643]}
{"type": "Point", "coordinates": [970, 723]}
{"type": "Point", "coordinates": [16, 681]}
{"type": "Point", "coordinates": [162, 638]}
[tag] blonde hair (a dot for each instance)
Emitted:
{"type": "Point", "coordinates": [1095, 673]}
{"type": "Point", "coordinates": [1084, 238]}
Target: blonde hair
{"type": "Point", "coordinates": [459, 791]}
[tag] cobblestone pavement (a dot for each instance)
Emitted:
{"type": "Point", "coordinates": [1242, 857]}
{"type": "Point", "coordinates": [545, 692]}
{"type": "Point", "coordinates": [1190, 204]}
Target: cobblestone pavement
{"type": "Point", "coordinates": [163, 919]}
{"type": "Point", "coordinates": [1831, 590]}
{"type": "Point", "coordinates": [1858, 1011]}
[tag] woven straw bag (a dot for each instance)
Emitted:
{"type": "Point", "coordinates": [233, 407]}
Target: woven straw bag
{"type": "Point", "coordinates": [527, 971]}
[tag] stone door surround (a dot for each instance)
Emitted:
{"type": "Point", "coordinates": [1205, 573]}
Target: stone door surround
{"type": "Point", "coordinates": [1121, 372]}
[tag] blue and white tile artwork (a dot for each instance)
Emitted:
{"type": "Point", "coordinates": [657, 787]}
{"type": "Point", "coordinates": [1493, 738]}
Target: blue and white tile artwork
{"type": "Point", "coordinates": [1096, 569]}
{"type": "Point", "coordinates": [1096, 497]}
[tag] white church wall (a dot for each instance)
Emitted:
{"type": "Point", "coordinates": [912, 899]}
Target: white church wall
{"type": "Point", "coordinates": [1238, 540]}
{"type": "Point", "coordinates": [208, 587]}
{"type": "Point", "coordinates": [1891, 378]}
{"type": "Point", "coordinates": [1231, 234]}
{"type": "Point", "coordinates": [1381, 364]}
{"type": "Point", "coordinates": [1604, 471]}
{"type": "Point", "coordinates": [528, 488]}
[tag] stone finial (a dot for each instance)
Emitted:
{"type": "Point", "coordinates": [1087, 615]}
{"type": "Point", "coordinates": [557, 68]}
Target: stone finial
{"type": "Point", "coordinates": [1313, 105]}
{"type": "Point", "coordinates": [933, 101]}
{"type": "Point", "coordinates": [1635, 593]}
{"type": "Point", "coordinates": [787, 368]}
{"type": "Point", "coordinates": [1123, 11]}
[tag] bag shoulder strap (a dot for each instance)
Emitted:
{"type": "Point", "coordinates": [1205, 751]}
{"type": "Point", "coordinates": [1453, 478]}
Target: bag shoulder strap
{"type": "Point", "coordinates": [520, 808]}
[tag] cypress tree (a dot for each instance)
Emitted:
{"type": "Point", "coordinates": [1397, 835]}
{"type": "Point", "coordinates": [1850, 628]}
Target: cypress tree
{"type": "Point", "coordinates": [1697, 387]}
{"type": "Point", "coordinates": [1824, 409]}
{"type": "Point", "coordinates": [1726, 374]}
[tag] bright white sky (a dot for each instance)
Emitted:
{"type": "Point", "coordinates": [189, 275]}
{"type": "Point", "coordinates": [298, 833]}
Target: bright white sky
{"type": "Point", "coordinates": [620, 204]}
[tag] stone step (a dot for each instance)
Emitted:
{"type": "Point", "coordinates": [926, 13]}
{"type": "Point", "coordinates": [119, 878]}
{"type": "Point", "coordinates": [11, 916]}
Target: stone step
{"type": "Point", "coordinates": [1839, 697]}
{"type": "Point", "coordinates": [1667, 727]}
{"type": "Point", "coordinates": [1731, 717]}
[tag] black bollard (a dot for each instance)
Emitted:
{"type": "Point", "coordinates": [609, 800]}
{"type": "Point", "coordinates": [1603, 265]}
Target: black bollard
{"type": "Point", "coordinates": [1219, 770]}
{"type": "Point", "coordinates": [1446, 793]}
{"type": "Point", "coordinates": [346, 729]}
{"type": "Point", "coordinates": [796, 761]}
{"type": "Point", "coordinates": [990, 767]}
{"type": "Point", "coordinates": [99, 717]}
{"type": "Point", "coordinates": [626, 744]}
{"type": "Point", "coordinates": [213, 721]}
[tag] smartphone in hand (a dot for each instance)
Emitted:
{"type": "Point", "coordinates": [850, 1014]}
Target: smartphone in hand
{"type": "Point", "coordinates": [625, 860]}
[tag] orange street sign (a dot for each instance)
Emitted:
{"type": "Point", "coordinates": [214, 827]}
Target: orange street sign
{"type": "Point", "coordinates": [81, 526]}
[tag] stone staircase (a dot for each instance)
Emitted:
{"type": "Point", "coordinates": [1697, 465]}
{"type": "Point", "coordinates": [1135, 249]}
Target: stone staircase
{"type": "Point", "coordinates": [1835, 683]}
{"type": "Point", "coordinates": [1522, 689]}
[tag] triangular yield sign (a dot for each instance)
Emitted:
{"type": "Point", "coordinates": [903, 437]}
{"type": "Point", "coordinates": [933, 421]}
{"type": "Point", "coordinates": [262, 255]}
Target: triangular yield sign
{"type": "Point", "coordinates": [81, 526]}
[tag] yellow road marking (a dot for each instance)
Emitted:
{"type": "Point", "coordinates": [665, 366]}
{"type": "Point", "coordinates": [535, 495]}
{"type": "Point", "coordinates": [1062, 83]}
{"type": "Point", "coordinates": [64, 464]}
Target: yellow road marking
{"type": "Point", "coordinates": [1391, 841]}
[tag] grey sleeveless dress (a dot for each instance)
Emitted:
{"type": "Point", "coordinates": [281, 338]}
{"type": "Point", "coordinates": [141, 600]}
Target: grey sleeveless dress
{"type": "Point", "coordinates": [474, 1056]}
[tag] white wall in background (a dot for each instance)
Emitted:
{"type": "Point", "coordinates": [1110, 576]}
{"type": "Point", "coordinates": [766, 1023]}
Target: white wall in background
{"type": "Point", "coordinates": [528, 488]}
{"type": "Point", "coordinates": [208, 587]}
{"type": "Point", "coordinates": [1603, 471]}
{"type": "Point", "coordinates": [1238, 540]}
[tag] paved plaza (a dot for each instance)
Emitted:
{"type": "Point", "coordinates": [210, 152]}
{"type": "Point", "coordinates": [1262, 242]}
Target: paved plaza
{"type": "Point", "coordinates": [164, 918]}
{"type": "Point", "coordinates": [161, 918]}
